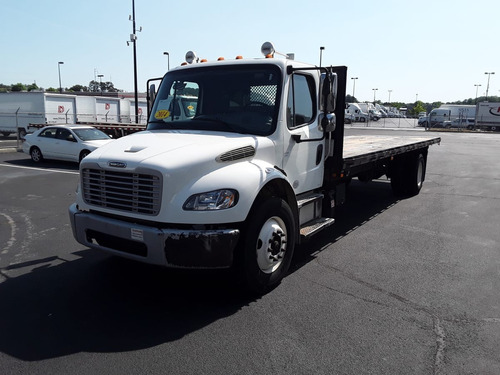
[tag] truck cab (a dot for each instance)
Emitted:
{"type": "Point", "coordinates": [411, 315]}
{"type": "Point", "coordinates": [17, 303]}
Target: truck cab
{"type": "Point", "coordinates": [241, 161]}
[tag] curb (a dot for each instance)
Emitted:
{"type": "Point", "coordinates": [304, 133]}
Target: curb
{"type": "Point", "coordinates": [9, 149]}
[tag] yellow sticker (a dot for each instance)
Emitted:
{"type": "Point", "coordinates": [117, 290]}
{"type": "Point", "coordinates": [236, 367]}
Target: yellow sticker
{"type": "Point", "coordinates": [162, 114]}
{"type": "Point", "coordinates": [190, 107]}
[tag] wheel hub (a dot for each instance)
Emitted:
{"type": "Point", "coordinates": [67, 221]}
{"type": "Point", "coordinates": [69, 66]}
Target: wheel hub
{"type": "Point", "coordinates": [271, 245]}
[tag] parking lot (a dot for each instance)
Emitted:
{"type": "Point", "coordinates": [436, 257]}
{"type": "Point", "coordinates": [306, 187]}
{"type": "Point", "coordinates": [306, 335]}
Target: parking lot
{"type": "Point", "coordinates": [396, 287]}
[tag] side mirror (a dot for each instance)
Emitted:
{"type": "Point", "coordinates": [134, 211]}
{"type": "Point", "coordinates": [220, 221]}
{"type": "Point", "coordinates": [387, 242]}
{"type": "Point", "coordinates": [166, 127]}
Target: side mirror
{"type": "Point", "coordinates": [328, 92]}
{"type": "Point", "coordinates": [151, 97]}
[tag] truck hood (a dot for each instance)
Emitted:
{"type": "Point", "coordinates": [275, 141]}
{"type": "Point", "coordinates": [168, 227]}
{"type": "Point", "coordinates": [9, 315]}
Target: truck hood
{"type": "Point", "coordinates": [174, 149]}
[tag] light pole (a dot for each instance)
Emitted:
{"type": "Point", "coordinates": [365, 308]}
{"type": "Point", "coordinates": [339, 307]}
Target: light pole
{"type": "Point", "coordinates": [168, 59]}
{"type": "Point", "coordinates": [320, 55]}
{"type": "Point", "coordinates": [374, 91]}
{"type": "Point", "coordinates": [477, 87]}
{"type": "Point", "coordinates": [416, 98]}
{"type": "Point", "coordinates": [100, 81]}
{"type": "Point", "coordinates": [133, 40]}
{"type": "Point", "coordinates": [389, 96]}
{"type": "Point", "coordinates": [59, 70]}
{"type": "Point", "coordinates": [353, 86]}
{"type": "Point", "coordinates": [488, 85]}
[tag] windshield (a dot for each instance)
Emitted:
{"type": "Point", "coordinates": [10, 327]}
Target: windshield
{"type": "Point", "coordinates": [239, 99]}
{"type": "Point", "coordinates": [90, 134]}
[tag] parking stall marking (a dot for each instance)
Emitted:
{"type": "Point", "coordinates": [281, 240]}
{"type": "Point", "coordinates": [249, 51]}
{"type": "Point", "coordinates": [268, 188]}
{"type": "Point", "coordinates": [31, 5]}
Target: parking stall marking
{"type": "Point", "coordinates": [38, 169]}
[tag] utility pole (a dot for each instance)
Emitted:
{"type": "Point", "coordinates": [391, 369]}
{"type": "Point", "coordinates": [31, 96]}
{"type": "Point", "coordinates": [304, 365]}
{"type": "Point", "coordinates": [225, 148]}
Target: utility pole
{"type": "Point", "coordinates": [133, 39]}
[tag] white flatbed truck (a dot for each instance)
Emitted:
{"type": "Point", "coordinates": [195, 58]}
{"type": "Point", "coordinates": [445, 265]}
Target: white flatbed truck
{"type": "Point", "coordinates": [260, 166]}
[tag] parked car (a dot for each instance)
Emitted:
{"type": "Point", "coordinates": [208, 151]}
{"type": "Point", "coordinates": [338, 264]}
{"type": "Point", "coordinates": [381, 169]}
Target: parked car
{"type": "Point", "coordinates": [467, 123]}
{"type": "Point", "coordinates": [422, 121]}
{"type": "Point", "coordinates": [63, 142]}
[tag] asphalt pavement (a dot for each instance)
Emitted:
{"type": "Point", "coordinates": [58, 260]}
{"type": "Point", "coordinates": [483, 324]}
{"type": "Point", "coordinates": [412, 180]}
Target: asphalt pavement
{"type": "Point", "coordinates": [396, 287]}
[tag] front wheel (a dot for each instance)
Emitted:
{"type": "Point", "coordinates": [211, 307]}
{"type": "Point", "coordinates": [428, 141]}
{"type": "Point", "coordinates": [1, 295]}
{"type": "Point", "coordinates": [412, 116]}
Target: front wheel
{"type": "Point", "coordinates": [83, 155]}
{"type": "Point", "coordinates": [268, 246]}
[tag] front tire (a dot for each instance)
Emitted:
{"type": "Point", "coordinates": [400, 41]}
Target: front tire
{"type": "Point", "coordinates": [268, 246]}
{"type": "Point", "coordinates": [83, 155]}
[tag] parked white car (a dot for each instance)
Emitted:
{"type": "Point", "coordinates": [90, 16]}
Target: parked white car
{"type": "Point", "coordinates": [64, 142]}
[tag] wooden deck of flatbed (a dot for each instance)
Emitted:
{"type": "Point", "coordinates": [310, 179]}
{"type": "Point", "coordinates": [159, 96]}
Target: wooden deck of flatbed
{"type": "Point", "coordinates": [360, 150]}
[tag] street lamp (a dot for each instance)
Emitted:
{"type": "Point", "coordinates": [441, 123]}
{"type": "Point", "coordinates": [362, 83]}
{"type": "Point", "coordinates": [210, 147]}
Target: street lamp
{"type": "Point", "coordinates": [59, 69]}
{"type": "Point", "coordinates": [488, 86]}
{"type": "Point", "coordinates": [320, 55]}
{"type": "Point", "coordinates": [168, 59]}
{"type": "Point", "coordinates": [477, 87]}
{"type": "Point", "coordinates": [353, 86]}
{"type": "Point", "coordinates": [374, 91]}
{"type": "Point", "coordinates": [100, 81]}
{"type": "Point", "coordinates": [133, 40]}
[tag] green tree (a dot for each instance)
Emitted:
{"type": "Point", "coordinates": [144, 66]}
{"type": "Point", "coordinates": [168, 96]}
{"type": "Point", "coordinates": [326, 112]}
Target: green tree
{"type": "Point", "coordinates": [79, 88]}
{"type": "Point", "coordinates": [95, 86]}
{"type": "Point", "coordinates": [18, 87]}
{"type": "Point", "coordinates": [350, 99]}
{"type": "Point", "coordinates": [33, 87]}
{"type": "Point", "coordinates": [51, 89]}
{"type": "Point", "coordinates": [418, 107]}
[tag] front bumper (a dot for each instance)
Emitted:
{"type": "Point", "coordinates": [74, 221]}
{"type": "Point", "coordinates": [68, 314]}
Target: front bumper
{"type": "Point", "coordinates": [160, 246]}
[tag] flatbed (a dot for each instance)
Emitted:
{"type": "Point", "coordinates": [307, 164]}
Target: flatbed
{"type": "Point", "coordinates": [360, 150]}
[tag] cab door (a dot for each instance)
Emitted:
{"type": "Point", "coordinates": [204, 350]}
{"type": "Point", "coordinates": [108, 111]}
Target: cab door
{"type": "Point", "coordinates": [303, 160]}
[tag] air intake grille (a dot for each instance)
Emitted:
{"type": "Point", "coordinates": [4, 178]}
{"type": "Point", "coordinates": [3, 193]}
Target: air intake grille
{"type": "Point", "coordinates": [239, 153]}
{"type": "Point", "coordinates": [131, 192]}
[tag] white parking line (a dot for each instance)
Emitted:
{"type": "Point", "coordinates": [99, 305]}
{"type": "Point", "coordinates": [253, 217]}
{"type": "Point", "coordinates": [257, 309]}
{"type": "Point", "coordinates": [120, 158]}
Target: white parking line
{"type": "Point", "coordinates": [38, 169]}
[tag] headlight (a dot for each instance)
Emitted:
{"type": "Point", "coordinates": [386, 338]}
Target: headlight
{"type": "Point", "coordinates": [212, 200]}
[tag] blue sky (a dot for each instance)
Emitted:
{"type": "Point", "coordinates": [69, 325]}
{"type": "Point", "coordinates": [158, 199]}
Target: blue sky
{"type": "Point", "coordinates": [431, 49]}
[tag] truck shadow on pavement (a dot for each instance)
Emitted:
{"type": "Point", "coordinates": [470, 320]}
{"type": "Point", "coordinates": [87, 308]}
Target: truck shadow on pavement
{"type": "Point", "coordinates": [54, 307]}
{"type": "Point", "coordinates": [364, 201]}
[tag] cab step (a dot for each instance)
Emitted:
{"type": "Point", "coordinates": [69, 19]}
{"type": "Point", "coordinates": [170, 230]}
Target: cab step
{"type": "Point", "coordinates": [314, 226]}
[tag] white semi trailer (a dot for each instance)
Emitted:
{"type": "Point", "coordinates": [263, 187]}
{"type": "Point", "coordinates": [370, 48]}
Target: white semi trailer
{"type": "Point", "coordinates": [488, 116]}
{"type": "Point", "coordinates": [21, 110]}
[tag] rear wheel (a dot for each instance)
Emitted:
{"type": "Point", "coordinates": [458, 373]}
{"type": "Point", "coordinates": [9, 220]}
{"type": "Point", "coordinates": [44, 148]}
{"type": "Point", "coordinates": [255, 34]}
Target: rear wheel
{"type": "Point", "coordinates": [36, 154]}
{"type": "Point", "coordinates": [408, 174]}
{"type": "Point", "coordinates": [268, 245]}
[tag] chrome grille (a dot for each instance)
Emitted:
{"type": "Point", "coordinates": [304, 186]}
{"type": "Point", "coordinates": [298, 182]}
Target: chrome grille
{"type": "Point", "coordinates": [132, 192]}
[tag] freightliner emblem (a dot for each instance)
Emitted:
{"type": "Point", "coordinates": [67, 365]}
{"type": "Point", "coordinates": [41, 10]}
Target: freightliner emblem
{"type": "Point", "coordinates": [117, 164]}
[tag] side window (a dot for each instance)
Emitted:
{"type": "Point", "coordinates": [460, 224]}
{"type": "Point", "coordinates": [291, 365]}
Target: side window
{"type": "Point", "coordinates": [63, 134]}
{"type": "Point", "coordinates": [48, 133]}
{"type": "Point", "coordinates": [301, 103]}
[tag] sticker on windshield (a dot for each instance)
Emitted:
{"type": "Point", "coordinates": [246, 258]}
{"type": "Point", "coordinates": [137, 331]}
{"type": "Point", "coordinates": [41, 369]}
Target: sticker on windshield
{"type": "Point", "coordinates": [162, 114]}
